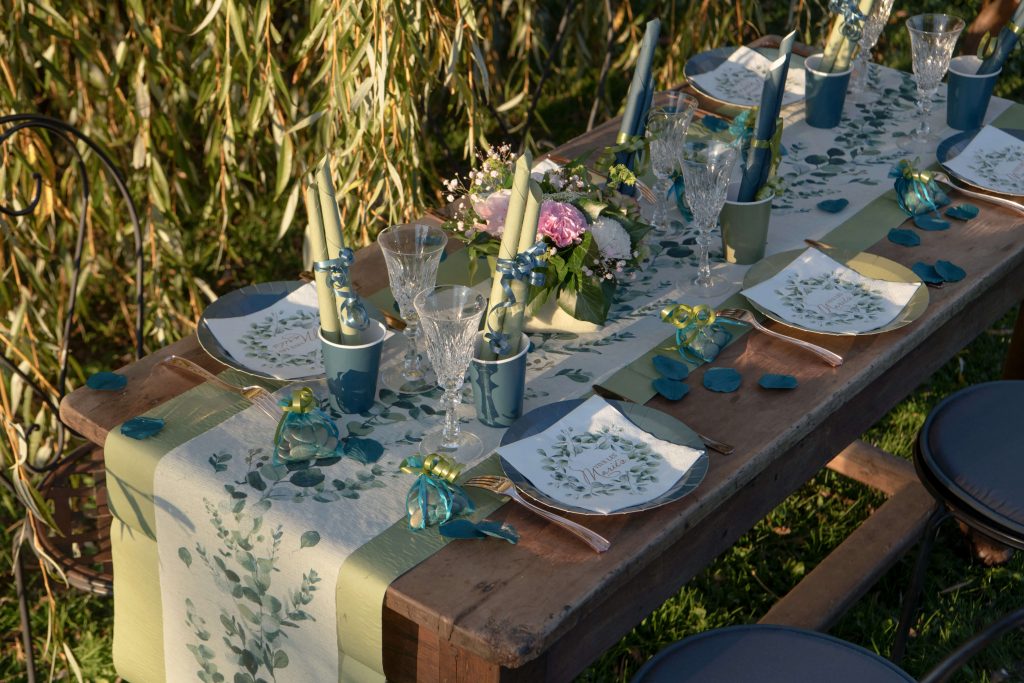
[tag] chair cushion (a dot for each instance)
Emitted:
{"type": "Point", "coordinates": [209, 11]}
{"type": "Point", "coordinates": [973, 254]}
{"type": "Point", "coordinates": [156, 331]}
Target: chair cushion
{"type": "Point", "coordinates": [768, 654]}
{"type": "Point", "coordinates": [973, 444]}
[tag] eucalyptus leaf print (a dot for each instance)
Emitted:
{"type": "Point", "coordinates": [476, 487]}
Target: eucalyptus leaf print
{"type": "Point", "coordinates": [283, 340]}
{"type": "Point", "coordinates": [1001, 169]}
{"type": "Point", "coordinates": [844, 302]}
{"type": "Point", "coordinates": [627, 465]}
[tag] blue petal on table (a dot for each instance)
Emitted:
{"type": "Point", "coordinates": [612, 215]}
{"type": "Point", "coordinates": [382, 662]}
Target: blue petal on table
{"type": "Point", "coordinates": [927, 273]}
{"type": "Point", "coordinates": [962, 212]}
{"type": "Point", "coordinates": [772, 381]}
{"type": "Point", "coordinates": [670, 368]}
{"type": "Point", "coordinates": [714, 124]}
{"type": "Point", "coordinates": [672, 389]}
{"type": "Point", "coordinates": [833, 205]}
{"type": "Point", "coordinates": [927, 221]}
{"type": "Point", "coordinates": [106, 381]}
{"type": "Point", "coordinates": [950, 272]}
{"type": "Point", "coordinates": [142, 427]}
{"type": "Point", "coordinates": [724, 380]}
{"type": "Point", "coordinates": [463, 528]}
{"type": "Point", "coordinates": [904, 237]}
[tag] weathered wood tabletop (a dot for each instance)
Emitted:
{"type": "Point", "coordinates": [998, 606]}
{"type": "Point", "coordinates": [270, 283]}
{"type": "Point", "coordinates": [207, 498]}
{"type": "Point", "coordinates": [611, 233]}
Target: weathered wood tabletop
{"type": "Point", "coordinates": [545, 608]}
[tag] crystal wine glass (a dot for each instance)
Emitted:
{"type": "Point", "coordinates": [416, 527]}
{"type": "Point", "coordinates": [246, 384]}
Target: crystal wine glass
{"type": "Point", "coordinates": [932, 37]}
{"type": "Point", "coordinates": [870, 32]}
{"type": "Point", "coordinates": [666, 129]}
{"type": "Point", "coordinates": [707, 168]}
{"type": "Point", "coordinates": [412, 252]}
{"type": "Point", "coordinates": [450, 316]}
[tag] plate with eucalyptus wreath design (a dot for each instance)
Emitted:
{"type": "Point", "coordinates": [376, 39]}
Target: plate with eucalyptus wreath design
{"type": "Point", "coordinates": [989, 159]}
{"type": "Point", "coordinates": [267, 330]}
{"type": "Point", "coordinates": [585, 491]}
{"type": "Point", "coordinates": [734, 76]}
{"type": "Point", "coordinates": [841, 293]}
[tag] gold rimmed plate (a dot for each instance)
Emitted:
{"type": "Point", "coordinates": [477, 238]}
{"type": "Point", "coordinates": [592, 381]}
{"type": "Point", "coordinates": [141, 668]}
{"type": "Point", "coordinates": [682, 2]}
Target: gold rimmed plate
{"type": "Point", "coordinates": [710, 60]}
{"type": "Point", "coordinates": [652, 421]}
{"type": "Point", "coordinates": [868, 265]}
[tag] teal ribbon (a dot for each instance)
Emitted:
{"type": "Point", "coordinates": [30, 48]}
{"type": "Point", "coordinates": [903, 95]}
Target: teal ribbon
{"type": "Point", "coordinates": [350, 307]}
{"type": "Point", "coordinates": [916, 191]}
{"type": "Point", "coordinates": [853, 18]}
{"type": "Point", "coordinates": [677, 191]}
{"type": "Point", "coordinates": [527, 266]}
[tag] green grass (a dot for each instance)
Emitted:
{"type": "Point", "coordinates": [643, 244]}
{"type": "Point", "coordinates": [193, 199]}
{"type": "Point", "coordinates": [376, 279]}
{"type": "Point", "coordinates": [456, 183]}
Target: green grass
{"type": "Point", "coordinates": [960, 594]}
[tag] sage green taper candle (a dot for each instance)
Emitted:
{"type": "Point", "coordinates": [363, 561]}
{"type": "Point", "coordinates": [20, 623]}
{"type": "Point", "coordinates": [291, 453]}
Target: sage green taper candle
{"type": "Point", "coordinates": [333, 232]}
{"type": "Point", "coordinates": [521, 289]}
{"type": "Point", "coordinates": [838, 48]}
{"type": "Point", "coordinates": [324, 294]}
{"type": "Point", "coordinates": [495, 319]}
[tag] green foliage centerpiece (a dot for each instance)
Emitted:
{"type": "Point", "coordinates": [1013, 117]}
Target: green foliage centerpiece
{"type": "Point", "coordinates": [591, 234]}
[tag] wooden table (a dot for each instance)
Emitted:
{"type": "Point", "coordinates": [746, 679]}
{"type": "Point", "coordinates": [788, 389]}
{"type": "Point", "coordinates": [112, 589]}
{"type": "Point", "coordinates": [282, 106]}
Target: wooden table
{"type": "Point", "coordinates": [545, 608]}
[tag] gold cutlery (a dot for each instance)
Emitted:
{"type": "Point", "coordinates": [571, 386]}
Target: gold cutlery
{"type": "Point", "coordinates": [256, 395]}
{"type": "Point", "coordinates": [945, 179]}
{"type": "Point", "coordinates": [743, 315]}
{"type": "Point", "coordinates": [504, 487]}
{"type": "Point", "coordinates": [713, 444]}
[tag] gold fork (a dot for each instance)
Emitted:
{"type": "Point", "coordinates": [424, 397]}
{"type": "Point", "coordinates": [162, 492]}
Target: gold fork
{"type": "Point", "coordinates": [743, 315]}
{"type": "Point", "coordinates": [504, 487]}
{"type": "Point", "coordinates": [256, 395]}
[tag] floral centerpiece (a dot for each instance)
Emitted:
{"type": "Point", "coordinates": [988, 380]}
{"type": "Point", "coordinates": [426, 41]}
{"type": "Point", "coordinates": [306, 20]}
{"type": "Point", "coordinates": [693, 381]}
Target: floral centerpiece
{"type": "Point", "coordinates": [592, 233]}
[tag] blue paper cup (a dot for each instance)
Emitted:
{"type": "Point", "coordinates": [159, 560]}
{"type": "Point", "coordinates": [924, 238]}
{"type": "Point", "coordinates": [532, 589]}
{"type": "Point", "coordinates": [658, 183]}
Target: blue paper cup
{"type": "Point", "coordinates": [352, 370]}
{"type": "Point", "coordinates": [825, 94]}
{"type": "Point", "coordinates": [745, 229]}
{"type": "Point", "coordinates": [968, 94]}
{"type": "Point", "coordinates": [499, 385]}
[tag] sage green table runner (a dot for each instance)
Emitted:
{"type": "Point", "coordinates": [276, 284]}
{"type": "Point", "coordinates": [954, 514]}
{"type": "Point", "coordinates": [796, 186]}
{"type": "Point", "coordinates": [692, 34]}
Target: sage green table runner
{"type": "Point", "coordinates": [224, 562]}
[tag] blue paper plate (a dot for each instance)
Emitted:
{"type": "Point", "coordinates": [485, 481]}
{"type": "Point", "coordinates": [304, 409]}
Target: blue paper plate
{"type": "Point", "coordinates": [655, 422]}
{"type": "Point", "coordinates": [708, 61]}
{"type": "Point", "coordinates": [952, 146]}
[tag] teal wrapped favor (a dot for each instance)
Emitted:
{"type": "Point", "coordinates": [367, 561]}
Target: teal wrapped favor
{"type": "Point", "coordinates": [305, 432]}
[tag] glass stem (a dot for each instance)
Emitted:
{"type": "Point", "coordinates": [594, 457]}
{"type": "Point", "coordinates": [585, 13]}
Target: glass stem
{"type": "Point", "coordinates": [660, 218]}
{"type": "Point", "coordinates": [704, 268]}
{"type": "Point", "coordinates": [412, 364]}
{"type": "Point", "coordinates": [924, 109]}
{"type": "Point", "coordinates": [450, 433]}
{"type": "Point", "coordinates": [859, 77]}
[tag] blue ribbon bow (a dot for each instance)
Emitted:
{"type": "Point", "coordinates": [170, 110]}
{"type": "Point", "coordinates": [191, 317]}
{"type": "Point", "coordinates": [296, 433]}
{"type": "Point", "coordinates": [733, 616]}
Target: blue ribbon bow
{"type": "Point", "coordinates": [350, 306]}
{"type": "Point", "coordinates": [527, 266]}
{"type": "Point", "coordinates": [853, 18]}
{"type": "Point", "coordinates": [917, 192]}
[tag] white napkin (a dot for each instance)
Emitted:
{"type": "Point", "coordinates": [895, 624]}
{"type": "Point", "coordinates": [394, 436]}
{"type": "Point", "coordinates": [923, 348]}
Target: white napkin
{"type": "Point", "coordinates": [595, 458]}
{"type": "Point", "coordinates": [280, 340]}
{"type": "Point", "coordinates": [818, 293]}
{"type": "Point", "coordinates": [739, 79]}
{"type": "Point", "coordinates": [994, 160]}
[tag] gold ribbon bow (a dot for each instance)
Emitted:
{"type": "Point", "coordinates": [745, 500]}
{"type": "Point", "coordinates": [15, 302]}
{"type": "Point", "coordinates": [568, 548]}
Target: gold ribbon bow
{"type": "Point", "coordinates": [436, 464]}
{"type": "Point", "coordinates": [303, 401]}
{"type": "Point", "coordinates": [682, 317]}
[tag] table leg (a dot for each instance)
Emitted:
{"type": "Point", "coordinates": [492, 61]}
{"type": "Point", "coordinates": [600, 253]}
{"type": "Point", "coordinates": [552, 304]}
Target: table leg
{"type": "Point", "coordinates": [1013, 368]}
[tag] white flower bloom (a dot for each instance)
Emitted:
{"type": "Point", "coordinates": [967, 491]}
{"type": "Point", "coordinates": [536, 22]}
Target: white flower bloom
{"type": "Point", "coordinates": [612, 239]}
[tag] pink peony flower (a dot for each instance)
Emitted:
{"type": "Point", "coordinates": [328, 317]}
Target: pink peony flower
{"type": "Point", "coordinates": [563, 223]}
{"type": "Point", "coordinates": [492, 210]}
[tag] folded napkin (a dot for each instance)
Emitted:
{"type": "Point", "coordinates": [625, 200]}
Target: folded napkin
{"type": "Point", "coordinates": [816, 292]}
{"type": "Point", "coordinates": [641, 92]}
{"type": "Point", "coordinates": [740, 80]}
{"type": "Point", "coordinates": [994, 159]}
{"type": "Point", "coordinates": [596, 458]}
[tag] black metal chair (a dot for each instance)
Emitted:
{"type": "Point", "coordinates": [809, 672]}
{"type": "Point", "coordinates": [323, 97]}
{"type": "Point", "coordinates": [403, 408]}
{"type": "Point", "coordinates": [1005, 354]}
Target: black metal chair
{"type": "Point", "coordinates": [970, 456]}
{"type": "Point", "coordinates": [73, 485]}
{"type": "Point", "coordinates": [767, 653]}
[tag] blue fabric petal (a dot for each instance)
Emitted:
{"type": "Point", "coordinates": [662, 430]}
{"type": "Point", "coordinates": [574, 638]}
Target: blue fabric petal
{"type": "Point", "coordinates": [142, 427]}
{"type": "Point", "coordinates": [723, 380]}
{"type": "Point", "coordinates": [904, 237]}
{"type": "Point", "coordinates": [671, 389]}
{"type": "Point", "coordinates": [714, 124]}
{"type": "Point", "coordinates": [670, 368]}
{"type": "Point", "coordinates": [962, 212]}
{"type": "Point", "coordinates": [927, 221]}
{"type": "Point", "coordinates": [833, 205]}
{"type": "Point", "coordinates": [926, 272]}
{"type": "Point", "coordinates": [770, 381]}
{"type": "Point", "coordinates": [463, 528]}
{"type": "Point", "coordinates": [106, 381]}
{"type": "Point", "coordinates": [950, 272]}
